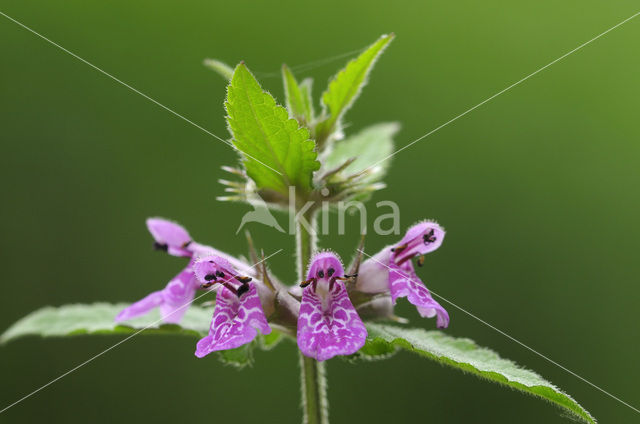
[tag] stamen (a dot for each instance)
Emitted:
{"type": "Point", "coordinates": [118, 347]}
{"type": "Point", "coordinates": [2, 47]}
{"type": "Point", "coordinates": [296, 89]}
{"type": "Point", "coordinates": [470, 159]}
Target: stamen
{"type": "Point", "coordinates": [429, 237]}
{"type": "Point", "coordinates": [186, 244]}
{"type": "Point", "coordinates": [321, 273]}
{"type": "Point", "coordinates": [420, 261]}
{"type": "Point", "coordinates": [220, 274]}
{"type": "Point", "coordinates": [305, 283]}
{"type": "Point", "coordinates": [160, 246]}
{"type": "Point", "coordinates": [330, 272]}
{"type": "Point", "coordinates": [210, 277]}
{"type": "Point", "coordinates": [243, 280]}
{"type": "Point", "coordinates": [400, 248]}
{"type": "Point", "coordinates": [243, 289]}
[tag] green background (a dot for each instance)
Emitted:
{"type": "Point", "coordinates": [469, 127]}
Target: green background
{"type": "Point", "coordinates": [538, 190]}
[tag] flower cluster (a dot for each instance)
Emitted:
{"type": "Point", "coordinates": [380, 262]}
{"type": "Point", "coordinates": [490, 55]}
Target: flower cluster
{"type": "Point", "coordinates": [324, 311]}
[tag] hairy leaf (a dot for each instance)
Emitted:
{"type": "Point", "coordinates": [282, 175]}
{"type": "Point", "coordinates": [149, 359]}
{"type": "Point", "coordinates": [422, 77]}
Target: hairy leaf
{"type": "Point", "coordinates": [345, 87]}
{"type": "Point", "coordinates": [465, 355]}
{"type": "Point", "coordinates": [98, 318]}
{"type": "Point", "coordinates": [370, 147]}
{"type": "Point", "coordinates": [221, 68]}
{"type": "Point", "coordinates": [278, 153]}
{"type": "Point", "coordinates": [298, 97]}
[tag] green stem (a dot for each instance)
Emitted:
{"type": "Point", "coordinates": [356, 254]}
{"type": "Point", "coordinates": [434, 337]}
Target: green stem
{"type": "Point", "coordinates": [312, 373]}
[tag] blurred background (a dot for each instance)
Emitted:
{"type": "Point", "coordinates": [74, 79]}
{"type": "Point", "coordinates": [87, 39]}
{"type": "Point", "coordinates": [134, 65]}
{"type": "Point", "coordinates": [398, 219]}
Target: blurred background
{"type": "Point", "coordinates": [538, 190]}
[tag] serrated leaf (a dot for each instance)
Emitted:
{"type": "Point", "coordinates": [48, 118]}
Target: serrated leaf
{"type": "Point", "coordinates": [371, 149]}
{"type": "Point", "coordinates": [298, 97]}
{"type": "Point", "coordinates": [224, 70]}
{"type": "Point", "coordinates": [345, 87]}
{"type": "Point", "coordinates": [278, 153]}
{"type": "Point", "coordinates": [465, 355]}
{"type": "Point", "coordinates": [98, 318]}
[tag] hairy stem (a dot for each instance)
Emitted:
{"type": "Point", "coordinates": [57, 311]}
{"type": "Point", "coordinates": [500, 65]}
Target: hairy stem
{"type": "Point", "coordinates": [312, 373]}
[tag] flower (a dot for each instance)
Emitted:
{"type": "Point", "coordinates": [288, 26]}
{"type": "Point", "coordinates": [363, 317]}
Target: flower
{"type": "Point", "coordinates": [328, 324]}
{"type": "Point", "coordinates": [392, 271]}
{"type": "Point", "coordinates": [175, 298]}
{"type": "Point", "coordinates": [238, 314]}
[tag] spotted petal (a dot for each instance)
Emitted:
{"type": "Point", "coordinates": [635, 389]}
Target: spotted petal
{"type": "Point", "coordinates": [173, 300]}
{"type": "Point", "coordinates": [404, 282]}
{"type": "Point", "coordinates": [235, 322]}
{"type": "Point", "coordinates": [329, 329]}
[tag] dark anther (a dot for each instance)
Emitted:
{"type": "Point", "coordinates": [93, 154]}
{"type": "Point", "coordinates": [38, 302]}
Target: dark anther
{"type": "Point", "coordinates": [321, 274]}
{"type": "Point", "coordinates": [305, 283]}
{"type": "Point", "coordinates": [350, 276]}
{"type": "Point", "coordinates": [399, 248]}
{"type": "Point", "coordinates": [330, 272]}
{"type": "Point", "coordinates": [219, 274]}
{"type": "Point", "coordinates": [210, 277]}
{"type": "Point", "coordinates": [160, 246]}
{"type": "Point", "coordinates": [243, 280]}
{"type": "Point", "coordinates": [420, 260]}
{"type": "Point", "coordinates": [242, 289]}
{"type": "Point", "coordinates": [429, 237]}
{"type": "Point", "coordinates": [186, 244]}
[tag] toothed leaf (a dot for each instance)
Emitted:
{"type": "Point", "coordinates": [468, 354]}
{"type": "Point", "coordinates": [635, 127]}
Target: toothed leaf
{"type": "Point", "coordinates": [298, 97]}
{"type": "Point", "coordinates": [345, 87]}
{"type": "Point", "coordinates": [277, 152]}
{"type": "Point", "coordinates": [467, 356]}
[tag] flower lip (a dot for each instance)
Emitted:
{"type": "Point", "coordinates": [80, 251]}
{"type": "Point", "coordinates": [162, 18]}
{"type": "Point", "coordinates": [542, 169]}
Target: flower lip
{"type": "Point", "coordinates": [328, 324]}
{"type": "Point", "coordinates": [420, 239]}
{"type": "Point", "coordinates": [325, 265]}
{"type": "Point", "coordinates": [214, 269]}
{"type": "Point", "coordinates": [170, 237]}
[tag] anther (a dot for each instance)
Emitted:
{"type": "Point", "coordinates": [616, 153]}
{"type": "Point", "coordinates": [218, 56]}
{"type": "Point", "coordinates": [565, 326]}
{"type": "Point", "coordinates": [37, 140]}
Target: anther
{"type": "Point", "coordinates": [321, 274]}
{"type": "Point", "coordinates": [242, 289]}
{"type": "Point", "coordinates": [186, 244]}
{"type": "Point", "coordinates": [243, 280]}
{"type": "Point", "coordinates": [160, 246]}
{"type": "Point", "coordinates": [219, 274]}
{"type": "Point", "coordinates": [210, 277]}
{"type": "Point", "coordinates": [429, 237]}
{"type": "Point", "coordinates": [305, 283]}
{"type": "Point", "coordinates": [399, 249]}
{"type": "Point", "coordinates": [420, 261]}
{"type": "Point", "coordinates": [330, 272]}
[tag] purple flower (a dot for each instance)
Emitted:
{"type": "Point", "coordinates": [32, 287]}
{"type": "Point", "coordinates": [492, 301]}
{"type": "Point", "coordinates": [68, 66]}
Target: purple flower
{"type": "Point", "coordinates": [175, 298]}
{"type": "Point", "coordinates": [328, 324]}
{"type": "Point", "coordinates": [238, 314]}
{"type": "Point", "coordinates": [391, 270]}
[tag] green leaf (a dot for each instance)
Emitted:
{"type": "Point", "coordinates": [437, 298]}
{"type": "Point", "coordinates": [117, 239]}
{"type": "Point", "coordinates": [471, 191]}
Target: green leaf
{"type": "Point", "coordinates": [298, 97]}
{"type": "Point", "coordinates": [278, 153]}
{"type": "Point", "coordinates": [465, 355]}
{"type": "Point", "coordinates": [370, 147]}
{"type": "Point", "coordinates": [345, 87]}
{"type": "Point", "coordinates": [98, 318]}
{"type": "Point", "coordinates": [221, 68]}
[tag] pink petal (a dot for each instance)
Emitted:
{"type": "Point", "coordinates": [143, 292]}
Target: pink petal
{"type": "Point", "coordinates": [420, 239]}
{"type": "Point", "coordinates": [173, 300]}
{"type": "Point", "coordinates": [235, 322]}
{"type": "Point", "coordinates": [141, 307]}
{"type": "Point", "coordinates": [325, 333]}
{"type": "Point", "coordinates": [405, 283]}
{"type": "Point", "coordinates": [171, 235]}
